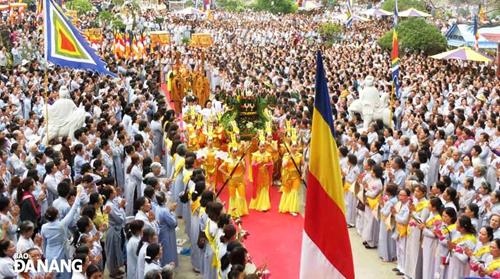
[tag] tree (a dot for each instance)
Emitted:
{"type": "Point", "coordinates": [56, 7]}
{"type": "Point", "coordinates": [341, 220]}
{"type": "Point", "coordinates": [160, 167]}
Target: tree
{"type": "Point", "coordinates": [118, 24]}
{"type": "Point", "coordinates": [80, 6]}
{"type": "Point", "coordinates": [404, 5]}
{"type": "Point", "coordinates": [330, 32]}
{"type": "Point", "coordinates": [105, 17]}
{"type": "Point", "coordinates": [415, 34]}
{"type": "Point", "coordinates": [276, 6]}
{"type": "Point", "coordinates": [231, 5]}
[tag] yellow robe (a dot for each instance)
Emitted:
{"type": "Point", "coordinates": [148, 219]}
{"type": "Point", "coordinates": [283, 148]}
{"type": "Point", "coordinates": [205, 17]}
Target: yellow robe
{"type": "Point", "coordinates": [290, 201]}
{"type": "Point", "coordinates": [237, 197]}
{"type": "Point", "coordinates": [262, 201]}
{"type": "Point", "coordinates": [210, 167]}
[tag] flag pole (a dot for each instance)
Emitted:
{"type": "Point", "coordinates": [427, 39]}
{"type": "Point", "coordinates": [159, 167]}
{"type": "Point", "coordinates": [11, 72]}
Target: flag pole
{"type": "Point", "coordinates": [46, 78]}
{"type": "Point", "coordinates": [46, 85]}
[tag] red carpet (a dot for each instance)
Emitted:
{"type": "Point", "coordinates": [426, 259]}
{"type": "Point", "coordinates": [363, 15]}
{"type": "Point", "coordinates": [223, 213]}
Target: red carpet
{"type": "Point", "coordinates": [275, 239]}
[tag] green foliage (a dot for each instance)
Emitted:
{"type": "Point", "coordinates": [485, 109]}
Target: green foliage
{"type": "Point", "coordinates": [118, 24]}
{"type": "Point", "coordinates": [276, 6]}
{"type": "Point", "coordinates": [118, 3]}
{"type": "Point", "coordinates": [415, 34]}
{"type": "Point", "coordinates": [330, 32]}
{"type": "Point", "coordinates": [404, 5]}
{"type": "Point", "coordinates": [105, 17]}
{"type": "Point", "coordinates": [80, 6]}
{"type": "Point", "coordinates": [232, 5]}
{"type": "Point", "coordinates": [186, 41]}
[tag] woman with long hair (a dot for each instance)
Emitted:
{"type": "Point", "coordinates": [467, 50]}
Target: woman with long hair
{"type": "Point", "coordinates": [29, 206]}
{"type": "Point", "coordinates": [459, 261]}
{"type": "Point", "coordinates": [148, 237]}
{"type": "Point", "coordinates": [133, 232]}
{"type": "Point", "coordinates": [152, 258]}
{"type": "Point", "coordinates": [116, 217]}
{"type": "Point", "coordinates": [212, 260]}
{"type": "Point", "coordinates": [133, 189]}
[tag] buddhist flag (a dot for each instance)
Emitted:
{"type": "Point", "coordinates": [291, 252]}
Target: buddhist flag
{"type": "Point", "coordinates": [65, 46]}
{"type": "Point", "coordinates": [326, 249]}
{"type": "Point", "coordinates": [395, 54]}
{"type": "Point", "coordinates": [395, 63]}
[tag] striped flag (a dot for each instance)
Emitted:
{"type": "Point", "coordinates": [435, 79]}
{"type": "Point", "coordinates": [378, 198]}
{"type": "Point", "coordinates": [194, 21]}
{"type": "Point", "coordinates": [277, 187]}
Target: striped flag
{"type": "Point", "coordinates": [475, 31]}
{"type": "Point", "coordinates": [326, 248]}
{"type": "Point", "coordinates": [395, 63]}
{"type": "Point", "coordinates": [395, 54]}
{"type": "Point", "coordinates": [65, 46]}
{"type": "Point", "coordinates": [349, 14]}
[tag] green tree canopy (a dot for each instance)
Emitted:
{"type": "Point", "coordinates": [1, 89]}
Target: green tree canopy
{"type": "Point", "coordinates": [276, 6]}
{"type": "Point", "coordinates": [231, 5]}
{"type": "Point", "coordinates": [404, 5]}
{"type": "Point", "coordinates": [415, 34]}
{"type": "Point", "coordinates": [330, 32]}
{"type": "Point", "coordinates": [80, 6]}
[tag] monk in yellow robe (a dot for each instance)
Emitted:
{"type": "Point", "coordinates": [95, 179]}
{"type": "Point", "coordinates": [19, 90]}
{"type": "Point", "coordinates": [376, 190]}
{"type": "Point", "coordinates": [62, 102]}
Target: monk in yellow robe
{"type": "Point", "coordinates": [290, 201]}
{"type": "Point", "coordinates": [262, 169]}
{"type": "Point", "coordinates": [236, 184]}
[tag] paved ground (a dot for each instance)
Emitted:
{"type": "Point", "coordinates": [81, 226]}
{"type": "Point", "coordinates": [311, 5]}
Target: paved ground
{"type": "Point", "coordinates": [367, 265]}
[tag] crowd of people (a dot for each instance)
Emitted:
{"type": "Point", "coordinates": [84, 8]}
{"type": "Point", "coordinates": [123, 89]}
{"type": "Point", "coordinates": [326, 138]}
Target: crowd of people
{"type": "Point", "coordinates": [423, 192]}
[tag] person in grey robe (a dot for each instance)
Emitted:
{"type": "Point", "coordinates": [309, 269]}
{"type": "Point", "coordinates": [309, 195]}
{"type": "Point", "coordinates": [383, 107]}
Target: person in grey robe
{"type": "Point", "coordinates": [117, 216]}
{"type": "Point", "coordinates": [55, 235]}
{"type": "Point", "coordinates": [158, 142]}
{"type": "Point", "coordinates": [167, 221]}
{"type": "Point", "coordinates": [386, 244]}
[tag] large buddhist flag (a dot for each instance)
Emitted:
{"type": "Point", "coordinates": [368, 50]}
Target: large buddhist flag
{"type": "Point", "coordinates": [65, 46]}
{"type": "Point", "coordinates": [395, 54]}
{"type": "Point", "coordinates": [326, 249]}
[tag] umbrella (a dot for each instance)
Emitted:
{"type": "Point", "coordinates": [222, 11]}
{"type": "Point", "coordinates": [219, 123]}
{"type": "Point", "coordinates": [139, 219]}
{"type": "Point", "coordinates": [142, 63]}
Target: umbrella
{"type": "Point", "coordinates": [359, 18]}
{"type": "Point", "coordinates": [413, 13]}
{"type": "Point", "coordinates": [310, 6]}
{"type": "Point", "coordinates": [376, 12]}
{"type": "Point", "coordinates": [463, 53]}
